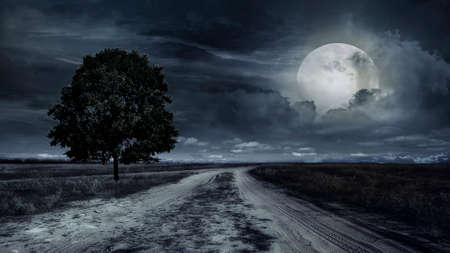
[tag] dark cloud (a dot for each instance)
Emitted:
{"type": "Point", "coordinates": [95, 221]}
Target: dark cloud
{"type": "Point", "coordinates": [306, 110]}
{"type": "Point", "coordinates": [240, 113]}
{"type": "Point", "coordinates": [364, 97]}
{"type": "Point", "coordinates": [181, 51]}
{"type": "Point", "coordinates": [228, 25]}
{"type": "Point", "coordinates": [31, 78]}
{"type": "Point", "coordinates": [424, 21]}
{"type": "Point", "coordinates": [231, 67]}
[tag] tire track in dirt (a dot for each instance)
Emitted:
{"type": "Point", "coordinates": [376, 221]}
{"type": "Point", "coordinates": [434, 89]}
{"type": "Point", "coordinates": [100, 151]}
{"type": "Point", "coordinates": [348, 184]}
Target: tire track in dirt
{"type": "Point", "coordinates": [212, 218]}
{"type": "Point", "coordinates": [301, 227]}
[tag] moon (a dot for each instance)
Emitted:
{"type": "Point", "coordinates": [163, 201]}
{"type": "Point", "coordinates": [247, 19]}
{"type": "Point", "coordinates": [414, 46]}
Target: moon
{"type": "Point", "coordinates": [331, 74]}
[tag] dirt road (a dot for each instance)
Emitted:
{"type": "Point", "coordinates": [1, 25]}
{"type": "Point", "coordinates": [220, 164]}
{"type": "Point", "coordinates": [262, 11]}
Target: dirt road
{"type": "Point", "coordinates": [212, 211]}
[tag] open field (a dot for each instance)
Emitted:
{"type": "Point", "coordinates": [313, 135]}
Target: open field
{"type": "Point", "coordinates": [418, 195]}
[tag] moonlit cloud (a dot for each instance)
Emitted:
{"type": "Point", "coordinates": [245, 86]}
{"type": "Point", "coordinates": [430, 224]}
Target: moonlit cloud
{"type": "Point", "coordinates": [298, 154]}
{"type": "Point", "coordinates": [251, 146]}
{"type": "Point", "coordinates": [191, 141]}
{"type": "Point", "coordinates": [71, 61]}
{"type": "Point", "coordinates": [231, 68]}
{"type": "Point", "coordinates": [50, 156]}
{"type": "Point", "coordinates": [305, 149]}
{"type": "Point", "coordinates": [232, 141]}
{"type": "Point", "coordinates": [216, 157]}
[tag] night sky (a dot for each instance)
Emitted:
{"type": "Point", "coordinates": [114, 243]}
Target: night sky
{"type": "Point", "coordinates": [232, 73]}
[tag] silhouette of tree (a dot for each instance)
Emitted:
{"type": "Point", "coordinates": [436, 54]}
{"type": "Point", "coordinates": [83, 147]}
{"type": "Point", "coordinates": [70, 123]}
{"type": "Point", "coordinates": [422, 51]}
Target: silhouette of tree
{"type": "Point", "coordinates": [114, 108]}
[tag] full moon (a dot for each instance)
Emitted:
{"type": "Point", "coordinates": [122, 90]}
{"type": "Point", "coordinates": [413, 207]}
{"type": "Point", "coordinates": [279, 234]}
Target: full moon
{"type": "Point", "coordinates": [331, 74]}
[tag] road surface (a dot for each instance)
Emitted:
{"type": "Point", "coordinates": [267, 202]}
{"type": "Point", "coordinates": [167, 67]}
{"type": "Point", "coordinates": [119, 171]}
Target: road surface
{"type": "Point", "coordinates": [223, 210]}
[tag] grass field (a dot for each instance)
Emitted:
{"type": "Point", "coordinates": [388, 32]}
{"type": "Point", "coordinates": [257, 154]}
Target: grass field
{"type": "Point", "coordinates": [418, 195]}
{"type": "Point", "coordinates": [44, 194]}
{"type": "Point", "coordinates": [37, 188]}
{"type": "Point", "coordinates": [10, 171]}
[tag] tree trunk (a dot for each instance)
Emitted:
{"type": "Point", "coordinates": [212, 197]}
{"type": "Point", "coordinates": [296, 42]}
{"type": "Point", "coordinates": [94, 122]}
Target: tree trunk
{"type": "Point", "coordinates": [116, 168]}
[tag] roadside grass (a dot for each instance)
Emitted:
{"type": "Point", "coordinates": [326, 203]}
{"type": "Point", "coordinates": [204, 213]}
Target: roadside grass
{"type": "Point", "coordinates": [418, 195]}
{"type": "Point", "coordinates": [11, 171]}
{"type": "Point", "coordinates": [37, 195]}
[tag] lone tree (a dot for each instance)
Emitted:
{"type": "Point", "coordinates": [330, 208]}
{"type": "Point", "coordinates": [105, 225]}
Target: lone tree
{"type": "Point", "coordinates": [114, 108]}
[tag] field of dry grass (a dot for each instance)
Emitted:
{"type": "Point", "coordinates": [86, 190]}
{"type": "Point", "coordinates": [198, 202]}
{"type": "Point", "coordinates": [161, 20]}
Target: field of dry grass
{"type": "Point", "coordinates": [44, 194]}
{"type": "Point", "coordinates": [10, 171]}
{"type": "Point", "coordinates": [416, 194]}
{"type": "Point", "coordinates": [37, 188]}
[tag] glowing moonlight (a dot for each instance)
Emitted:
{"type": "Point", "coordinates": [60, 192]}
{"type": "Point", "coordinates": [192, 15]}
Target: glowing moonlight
{"type": "Point", "coordinates": [331, 74]}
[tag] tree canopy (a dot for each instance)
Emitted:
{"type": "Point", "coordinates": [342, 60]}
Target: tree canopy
{"type": "Point", "coordinates": [114, 108]}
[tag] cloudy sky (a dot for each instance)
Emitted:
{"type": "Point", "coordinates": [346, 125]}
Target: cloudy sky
{"type": "Point", "coordinates": [232, 72]}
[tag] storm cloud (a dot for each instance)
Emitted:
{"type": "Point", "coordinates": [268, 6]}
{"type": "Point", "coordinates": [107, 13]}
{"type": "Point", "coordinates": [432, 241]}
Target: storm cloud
{"type": "Point", "coordinates": [231, 68]}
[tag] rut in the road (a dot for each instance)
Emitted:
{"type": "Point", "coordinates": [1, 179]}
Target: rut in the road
{"type": "Point", "coordinates": [303, 227]}
{"type": "Point", "coordinates": [213, 217]}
